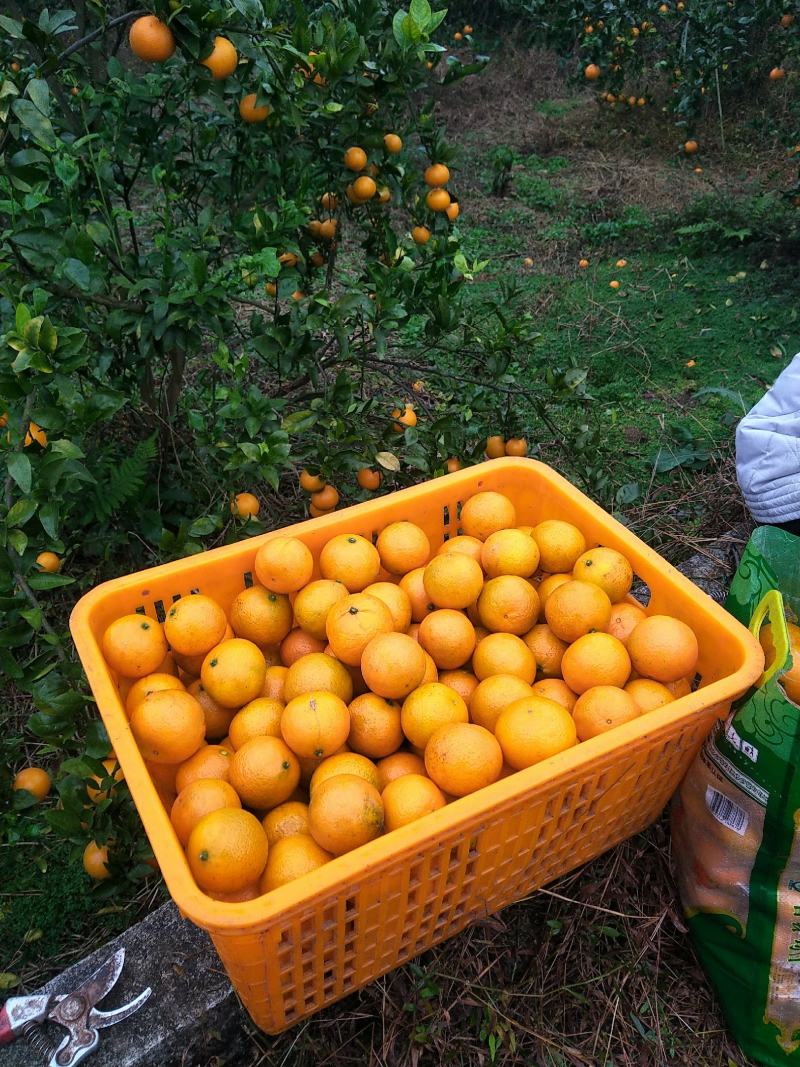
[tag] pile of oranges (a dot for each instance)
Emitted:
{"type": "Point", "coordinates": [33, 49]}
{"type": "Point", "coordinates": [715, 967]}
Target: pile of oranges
{"type": "Point", "coordinates": [343, 697]}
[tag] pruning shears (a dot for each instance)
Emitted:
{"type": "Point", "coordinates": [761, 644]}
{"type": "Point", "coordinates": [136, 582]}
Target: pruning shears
{"type": "Point", "coordinates": [25, 1016]}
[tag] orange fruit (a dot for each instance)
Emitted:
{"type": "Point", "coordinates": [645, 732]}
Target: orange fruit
{"type": "Point", "coordinates": [245, 505]}
{"type": "Point", "coordinates": [353, 622]}
{"type": "Point", "coordinates": [260, 718]}
{"type": "Point", "coordinates": [403, 547]}
{"type": "Point", "coordinates": [312, 604]}
{"type": "Point", "coordinates": [396, 600]}
{"type": "Point", "coordinates": [327, 231]}
{"type": "Point", "coordinates": [275, 683]}
{"type": "Point", "coordinates": [392, 143]}
{"type": "Point", "coordinates": [250, 892]}
{"type": "Point", "coordinates": [95, 861]}
{"type": "Point", "coordinates": [438, 200]}
{"type": "Point", "coordinates": [287, 820]}
{"type": "Point", "coordinates": [222, 60]}
{"type": "Point", "coordinates": [49, 562]}
{"type": "Point", "coordinates": [315, 723]}
{"type": "Point", "coordinates": [351, 560]}
{"type": "Point", "coordinates": [392, 665]}
{"type": "Point", "coordinates": [312, 483]}
{"type": "Point", "coordinates": [509, 552]}
{"type": "Point", "coordinates": [398, 764]}
{"type": "Point", "coordinates": [210, 761]}
{"type": "Point", "coordinates": [776, 74]}
{"type": "Point", "coordinates": [606, 568]}
{"type": "Point", "coordinates": [485, 513]}
{"type": "Point", "coordinates": [453, 210]}
{"type": "Point", "coordinates": [468, 546]}
{"type": "Point", "coordinates": [34, 780]}
{"type": "Point", "coordinates": [261, 616]}
{"type": "Point", "coordinates": [344, 763]}
{"type": "Point", "coordinates": [227, 850]}
{"type": "Point", "coordinates": [369, 479]}
{"type": "Point", "coordinates": [163, 775]}
{"type": "Point", "coordinates": [557, 690]}
{"type": "Point", "coordinates": [503, 654]}
{"type": "Point", "coordinates": [355, 158]}
{"type": "Point", "coordinates": [284, 564]}
{"type": "Point", "coordinates": [413, 585]}
{"type": "Point", "coordinates": [344, 813]}
{"type": "Point", "coordinates": [409, 798]}
{"type": "Point", "coordinates": [648, 695]}
{"type": "Point", "coordinates": [437, 175]}
{"type": "Point", "coordinates": [364, 188]}
{"type": "Point", "coordinates": [169, 726]}
{"type": "Point", "coordinates": [405, 418]}
{"type": "Point", "coordinates": [316, 670]}
{"type": "Point", "coordinates": [134, 645]}
{"type": "Point", "coordinates": [420, 235]}
{"type": "Point", "coordinates": [549, 584]}
{"type": "Point", "coordinates": [548, 650]}
{"type": "Point", "coordinates": [298, 643]}
{"type": "Point", "coordinates": [601, 708]}
{"type": "Point", "coordinates": [681, 688]}
{"type": "Point", "coordinates": [431, 670]}
{"type": "Point", "coordinates": [493, 695]}
{"type": "Point", "coordinates": [575, 608]}
{"type": "Point", "coordinates": [560, 544]}
{"type": "Point", "coordinates": [453, 464]}
{"type": "Point", "coordinates": [595, 659]}
{"type": "Point", "coordinates": [495, 446]}
{"type": "Point", "coordinates": [250, 112]}
{"type": "Point", "coordinates": [151, 683]}
{"type": "Point", "coordinates": [448, 637]}
{"type": "Point", "coordinates": [516, 446]}
{"type": "Point", "coordinates": [508, 604]}
{"type": "Point", "coordinates": [591, 72]}
{"type": "Point", "coordinates": [375, 729]}
{"type": "Point", "coordinates": [462, 681]}
{"type": "Point", "coordinates": [532, 729]}
{"type": "Point", "coordinates": [614, 285]}
{"type": "Point", "coordinates": [624, 617]}
{"type": "Point", "coordinates": [264, 772]}
{"type": "Point", "coordinates": [194, 625]}
{"type": "Point", "coordinates": [233, 672]}
{"type": "Point", "coordinates": [452, 580]}
{"type": "Point", "coordinates": [462, 757]}
{"type": "Point", "coordinates": [663, 648]}
{"type": "Point", "coordinates": [583, 263]}
{"type": "Point", "coordinates": [429, 707]}
{"type": "Point", "coordinates": [290, 858]}
{"type": "Point", "coordinates": [151, 39]}
{"type": "Point", "coordinates": [197, 799]}
{"type": "Point", "coordinates": [690, 147]}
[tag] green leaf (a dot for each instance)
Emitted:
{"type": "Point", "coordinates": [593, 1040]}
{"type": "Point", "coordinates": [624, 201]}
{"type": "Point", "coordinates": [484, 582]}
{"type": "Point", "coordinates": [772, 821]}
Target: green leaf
{"type": "Point", "coordinates": [333, 106]}
{"type": "Point", "coordinates": [203, 526]}
{"type": "Point", "coordinates": [22, 318]}
{"type": "Point", "coordinates": [48, 338]}
{"type": "Point", "coordinates": [48, 517]}
{"type": "Point", "coordinates": [35, 122]}
{"type": "Point", "coordinates": [18, 540]}
{"type": "Point", "coordinates": [11, 26]}
{"type": "Point", "coordinates": [7, 979]}
{"type": "Point", "coordinates": [19, 467]}
{"type": "Point", "coordinates": [388, 460]}
{"type": "Point", "coordinates": [419, 12]}
{"type": "Point", "coordinates": [20, 512]}
{"type": "Point", "coordinates": [77, 273]}
{"type": "Point", "coordinates": [399, 23]}
{"type": "Point", "coordinates": [49, 581]}
{"type": "Point", "coordinates": [98, 232]}
{"type": "Point", "coordinates": [39, 92]}
{"type": "Point", "coordinates": [67, 171]}
{"type": "Point", "coordinates": [66, 448]}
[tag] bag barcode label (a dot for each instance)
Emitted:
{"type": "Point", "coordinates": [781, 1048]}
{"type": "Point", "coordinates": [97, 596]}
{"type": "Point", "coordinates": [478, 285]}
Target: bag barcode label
{"type": "Point", "coordinates": [725, 811]}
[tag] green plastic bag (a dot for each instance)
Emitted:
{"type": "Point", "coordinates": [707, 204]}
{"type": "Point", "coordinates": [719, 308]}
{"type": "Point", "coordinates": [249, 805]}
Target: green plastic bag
{"type": "Point", "coordinates": [736, 824]}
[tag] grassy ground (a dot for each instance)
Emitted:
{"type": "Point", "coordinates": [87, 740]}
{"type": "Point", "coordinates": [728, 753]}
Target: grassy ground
{"type": "Point", "coordinates": [597, 969]}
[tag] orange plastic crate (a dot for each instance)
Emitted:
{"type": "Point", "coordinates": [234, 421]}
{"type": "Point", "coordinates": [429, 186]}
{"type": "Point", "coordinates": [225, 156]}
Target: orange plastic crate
{"type": "Point", "coordinates": [305, 945]}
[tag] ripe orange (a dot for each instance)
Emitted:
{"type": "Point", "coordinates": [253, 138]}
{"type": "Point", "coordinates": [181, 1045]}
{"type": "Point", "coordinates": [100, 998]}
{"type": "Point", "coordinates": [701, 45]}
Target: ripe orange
{"type": "Point", "coordinates": [602, 708]}
{"type": "Point", "coordinates": [264, 772]}
{"type": "Point", "coordinates": [648, 695]}
{"type": "Point", "coordinates": [250, 892]}
{"type": "Point", "coordinates": [557, 690]}
{"type": "Point", "coordinates": [438, 200]}
{"type": "Point", "coordinates": [409, 798]}
{"type": "Point", "coordinates": [227, 850]}
{"type": "Point", "coordinates": [275, 683]}
{"type": "Point", "coordinates": [34, 780]}
{"type": "Point", "coordinates": [312, 483]}
{"type": "Point", "coordinates": [134, 645]}
{"type": "Point", "coordinates": [298, 643]}
{"type": "Point", "coordinates": [218, 719]}
{"type": "Point", "coordinates": [533, 729]}
{"type": "Point", "coordinates": [516, 446]}
{"type": "Point", "coordinates": [261, 616]}
{"type": "Point", "coordinates": [583, 263]}
{"type": "Point", "coordinates": [560, 544]}
{"type": "Point", "coordinates": [495, 446]}
{"type": "Point", "coordinates": [169, 726]}
{"type": "Point", "coordinates": [493, 695]}
{"type": "Point", "coordinates": [248, 110]}
{"type": "Point", "coordinates": [49, 562]}
{"type": "Point", "coordinates": [316, 670]}
{"type": "Point", "coordinates": [315, 724]}
{"type": "Point", "coordinates": [453, 210]}
{"type": "Point", "coordinates": [453, 464]}
{"type": "Point", "coordinates": [222, 60]}
{"type": "Point", "coordinates": [592, 72]}
{"type": "Point", "coordinates": [271, 288]}
{"type": "Point", "coordinates": [681, 688]}
{"type": "Point", "coordinates": [403, 419]}
{"type": "Point", "coordinates": [485, 513]}
{"type": "Point", "coordinates": [210, 761]}
{"type": "Point", "coordinates": [355, 158]}
{"type": "Point", "coordinates": [344, 763]}
{"type": "Point", "coordinates": [509, 552]}
{"type": "Point", "coordinates": [606, 568]}
{"type": "Point", "coordinates": [353, 622]}
{"type": "Point", "coordinates": [548, 650]}
{"type": "Point", "coordinates": [395, 599]}
{"type": "Point", "coordinates": [287, 820]}
{"type": "Point", "coordinates": [163, 776]}
{"type": "Point", "coordinates": [402, 547]}
{"type": "Point", "coordinates": [463, 681]}
{"type": "Point", "coordinates": [344, 813]}
{"type": "Point", "coordinates": [428, 707]}
{"type": "Point", "coordinates": [194, 625]}
{"type": "Point", "coordinates": [431, 670]}
{"type": "Point", "coordinates": [469, 546]}
{"type": "Point", "coordinates": [375, 728]}
{"type": "Point", "coordinates": [290, 858]}
{"type": "Point", "coordinates": [448, 637]}
{"type": "Point", "coordinates": [776, 74]}
{"type": "Point", "coordinates": [364, 188]}
{"type": "Point", "coordinates": [393, 664]}
{"type": "Point", "coordinates": [233, 672]}
{"type": "Point", "coordinates": [595, 659]}
{"type": "Point", "coordinates": [663, 648]}
{"type": "Point", "coordinates": [95, 861]}
{"type": "Point", "coordinates": [151, 683]}
{"type": "Point", "coordinates": [787, 20]}
{"type": "Point", "coordinates": [690, 147]}
{"type": "Point", "coordinates": [576, 608]}
{"type": "Point", "coordinates": [413, 585]}
{"type": "Point", "coordinates": [392, 143]}
{"type": "Point", "coordinates": [452, 580]}
{"type": "Point", "coordinates": [351, 560]}
{"type": "Point", "coordinates": [369, 479]}
{"type": "Point", "coordinates": [503, 654]}
{"type": "Point", "coordinates": [197, 799]}
{"type": "Point", "coordinates": [260, 718]}
{"type": "Point", "coordinates": [245, 505]}
{"type": "Point", "coordinates": [437, 175]}
{"type": "Point", "coordinates": [624, 617]}
{"type": "Point", "coordinates": [151, 39]}
{"type": "Point", "coordinates": [284, 564]}
{"type": "Point", "coordinates": [288, 259]}
{"type": "Point", "coordinates": [420, 235]}
{"type": "Point", "coordinates": [328, 228]}
{"type": "Point", "coordinates": [508, 604]}
{"type": "Point", "coordinates": [462, 757]}
{"type": "Point", "coordinates": [312, 604]}
{"type": "Point", "coordinates": [397, 765]}
{"type": "Point", "coordinates": [549, 584]}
